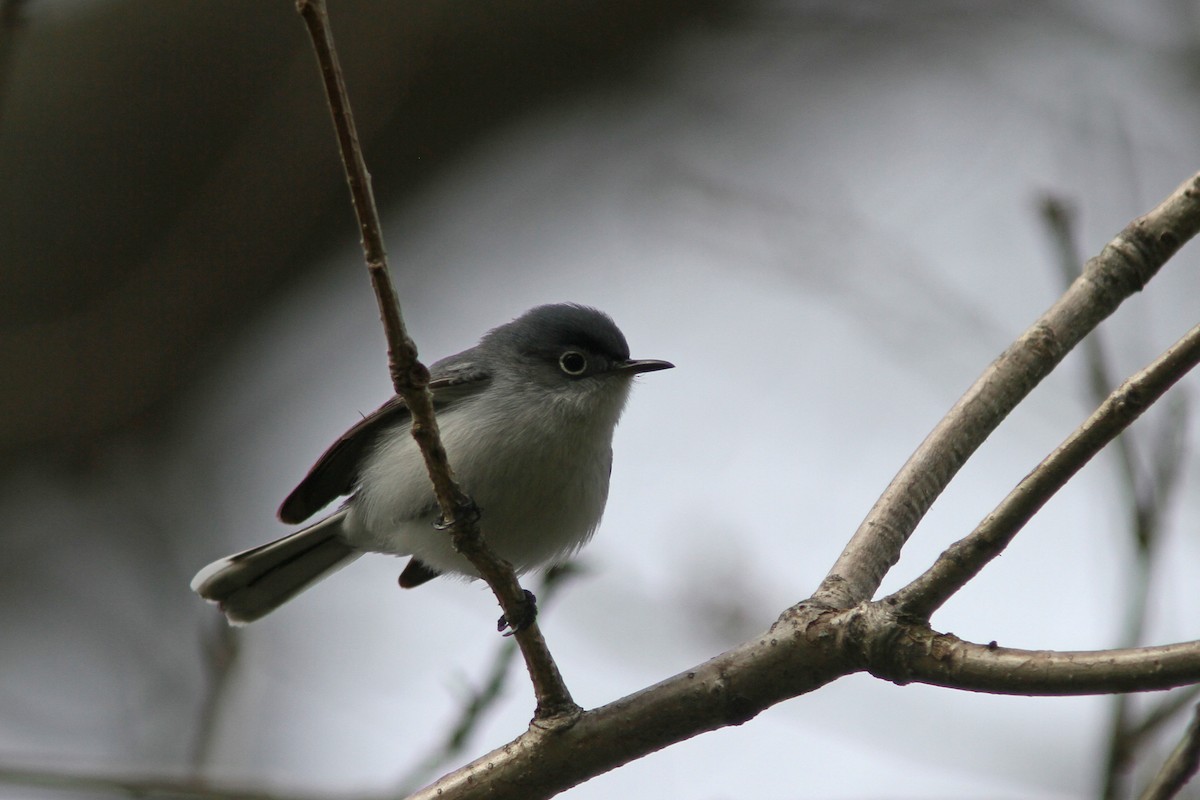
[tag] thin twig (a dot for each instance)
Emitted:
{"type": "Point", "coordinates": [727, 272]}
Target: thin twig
{"type": "Point", "coordinates": [135, 786]}
{"type": "Point", "coordinates": [480, 701]}
{"type": "Point", "coordinates": [1125, 265]}
{"type": "Point", "coordinates": [1164, 712]}
{"type": "Point", "coordinates": [1179, 767]}
{"type": "Point", "coordinates": [966, 557]}
{"type": "Point", "coordinates": [221, 651]}
{"type": "Point", "coordinates": [410, 378]}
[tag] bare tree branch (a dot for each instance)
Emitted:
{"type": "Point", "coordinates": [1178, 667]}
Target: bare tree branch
{"type": "Point", "coordinates": [411, 378]}
{"type": "Point", "coordinates": [1180, 766]}
{"type": "Point", "coordinates": [1148, 492]}
{"type": "Point", "coordinates": [1125, 265]}
{"type": "Point", "coordinates": [797, 655]}
{"type": "Point", "coordinates": [807, 647]}
{"type": "Point", "coordinates": [966, 557]}
{"type": "Point", "coordinates": [917, 654]}
{"type": "Point", "coordinates": [1060, 219]}
{"type": "Point", "coordinates": [490, 689]}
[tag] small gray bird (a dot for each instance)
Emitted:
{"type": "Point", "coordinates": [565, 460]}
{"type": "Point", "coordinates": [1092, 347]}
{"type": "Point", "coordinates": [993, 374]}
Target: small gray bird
{"type": "Point", "coordinates": [527, 418]}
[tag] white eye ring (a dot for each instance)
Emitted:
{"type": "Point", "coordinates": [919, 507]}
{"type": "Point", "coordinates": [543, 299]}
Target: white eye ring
{"type": "Point", "coordinates": [573, 362]}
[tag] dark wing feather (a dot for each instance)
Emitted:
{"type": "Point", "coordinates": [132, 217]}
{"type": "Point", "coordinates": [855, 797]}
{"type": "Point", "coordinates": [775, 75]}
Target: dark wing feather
{"type": "Point", "coordinates": [336, 472]}
{"type": "Point", "coordinates": [416, 573]}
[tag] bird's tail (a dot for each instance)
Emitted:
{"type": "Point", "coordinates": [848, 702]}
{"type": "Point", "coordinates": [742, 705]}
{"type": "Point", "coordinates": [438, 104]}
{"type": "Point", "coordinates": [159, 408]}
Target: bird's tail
{"type": "Point", "coordinates": [255, 582]}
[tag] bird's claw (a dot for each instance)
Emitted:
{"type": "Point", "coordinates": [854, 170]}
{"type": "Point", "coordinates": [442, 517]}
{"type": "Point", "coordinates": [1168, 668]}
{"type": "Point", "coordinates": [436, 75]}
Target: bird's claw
{"type": "Point", "coordinates": [527, 615]}
{"type": "Point", "coordinates": [471, 512]}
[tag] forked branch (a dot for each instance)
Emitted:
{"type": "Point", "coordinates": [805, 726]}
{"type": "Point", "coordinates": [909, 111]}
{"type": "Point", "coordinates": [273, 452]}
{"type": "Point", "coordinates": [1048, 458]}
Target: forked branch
{"type": "Point", "coordinates": [966, 557]}
{"type": "Point", "coordinates": [1125, 265]}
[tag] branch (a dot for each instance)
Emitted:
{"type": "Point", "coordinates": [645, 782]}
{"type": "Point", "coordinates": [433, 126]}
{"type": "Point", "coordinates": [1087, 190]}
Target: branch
{"type": "Point", "coordinates": [918, 654]}
{"type": "Point", "coordinates": [800, 653]}
{"type": "Point", "coordinates": [1060, 221]}
{"type": "Point", "coordinates": [489, 692]}
{"type": "Point", "coordinates": [808, 647]}
{"type": "Point", "coordinates": [1125, 265]}
{"type": "Point", "coordinates": [411, 378]}
{"type": "Point", "coordinates": [1180, 766]}
{"type": "Point", "coordinates": [966, 557]}
{"type": "Point", "coordinates": [1147, 491]}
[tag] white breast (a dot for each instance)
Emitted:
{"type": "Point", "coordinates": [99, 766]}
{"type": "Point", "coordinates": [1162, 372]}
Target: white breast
{"type": "Point", "coordinates": [537, 470]}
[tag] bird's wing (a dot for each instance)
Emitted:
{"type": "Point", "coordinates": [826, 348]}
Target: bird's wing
{"type": "Point", "coordinates": [336, 472]}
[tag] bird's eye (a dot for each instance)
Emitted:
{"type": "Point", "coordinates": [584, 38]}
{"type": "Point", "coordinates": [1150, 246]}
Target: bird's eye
{"type": "Point", "coordinates": [573, 362]}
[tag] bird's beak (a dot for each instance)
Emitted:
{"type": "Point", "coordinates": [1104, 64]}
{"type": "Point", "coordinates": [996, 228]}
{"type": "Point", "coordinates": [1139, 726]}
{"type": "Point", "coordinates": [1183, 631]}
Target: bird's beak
{"type": "Point", "coordinates": [633, 367]}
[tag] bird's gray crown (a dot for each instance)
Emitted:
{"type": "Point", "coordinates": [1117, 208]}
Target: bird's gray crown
{"type": "Point", "coordinates": [547, 330]}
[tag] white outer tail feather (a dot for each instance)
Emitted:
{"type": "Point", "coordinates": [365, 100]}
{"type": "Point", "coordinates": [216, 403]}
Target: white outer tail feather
{"type": "Point", "coordinates": [249, 585]}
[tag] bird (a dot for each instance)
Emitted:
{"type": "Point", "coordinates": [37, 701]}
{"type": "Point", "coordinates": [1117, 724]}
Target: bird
{"type": "Point", "coordinates": [526, 417]}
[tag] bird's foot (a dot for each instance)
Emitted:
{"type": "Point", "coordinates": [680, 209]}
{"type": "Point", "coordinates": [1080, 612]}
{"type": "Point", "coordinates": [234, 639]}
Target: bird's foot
{"type": "Point", "coordinates": [524, 618]}
{"type": "Point", "coordinates": [470, 511]}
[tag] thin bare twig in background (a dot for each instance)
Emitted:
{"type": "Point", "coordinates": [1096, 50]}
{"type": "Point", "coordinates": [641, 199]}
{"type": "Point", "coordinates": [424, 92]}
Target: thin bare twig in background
{"type": "Point", "coordinates": [221, 652]}
{"type": "Point", "coordinates": [1180, 766]}
{"type": "Point", "coordinates": [1148, 492]}
{"type": "Point", "coordinates": [1167, 709]}
{"type": "Point", "coordinates": [410, 378]}
{"type": "Point", "coordinates": [221, 649]}
{"type": "Point", "coordinates": [60, 780]}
